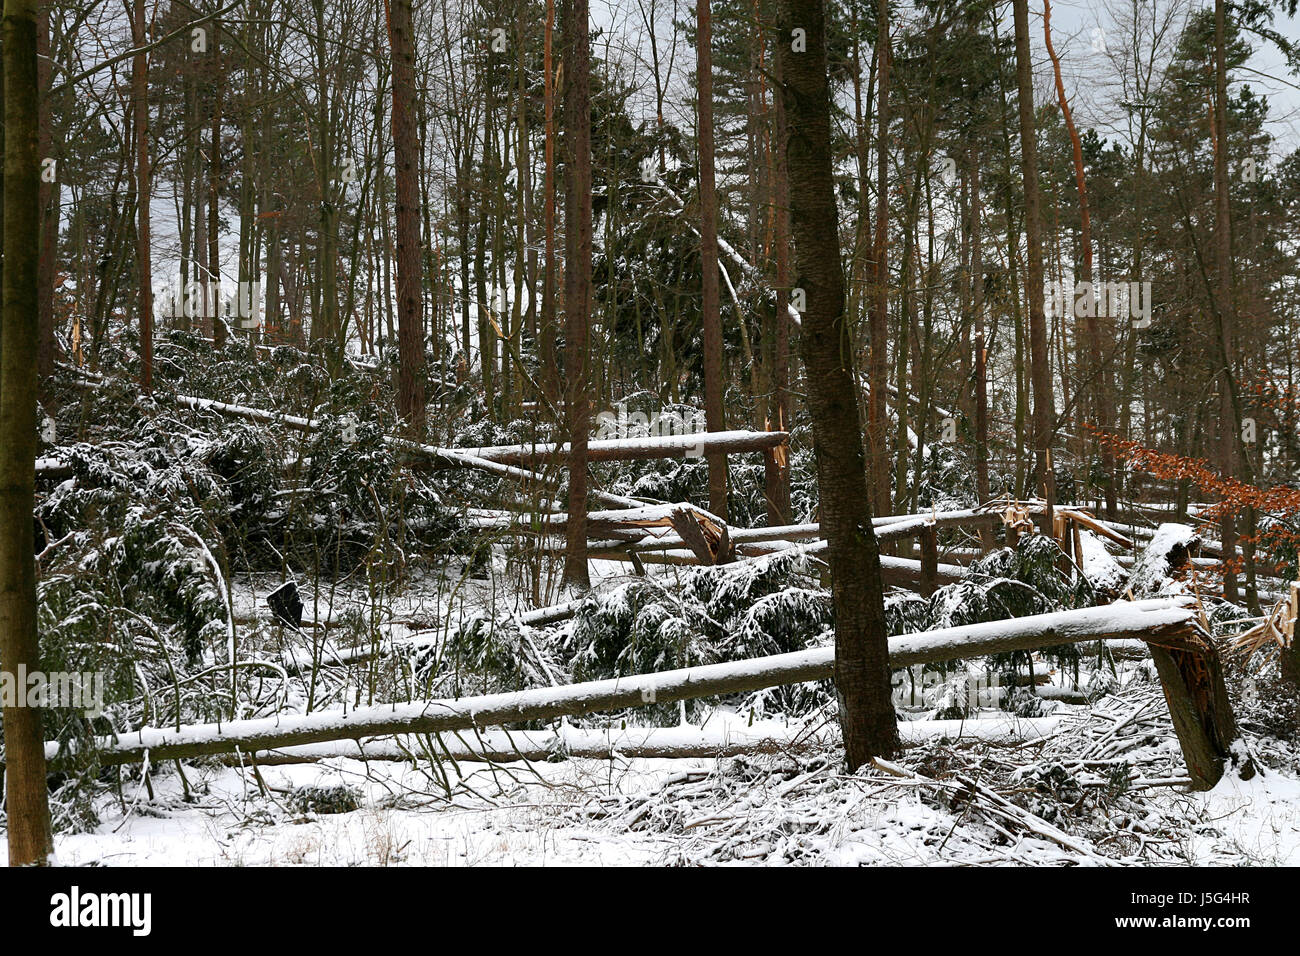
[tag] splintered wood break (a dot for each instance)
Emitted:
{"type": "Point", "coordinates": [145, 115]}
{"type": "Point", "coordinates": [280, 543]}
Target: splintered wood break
{"type": "Point", "coordinates": [707, 537]}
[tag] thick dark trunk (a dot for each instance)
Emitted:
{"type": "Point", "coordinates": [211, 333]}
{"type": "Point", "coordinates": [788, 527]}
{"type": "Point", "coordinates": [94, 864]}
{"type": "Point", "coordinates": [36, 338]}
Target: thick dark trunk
{"type": "Point", "coordinates": [861, 646]}
{"type": "Point", "coordinates": [27, 804]}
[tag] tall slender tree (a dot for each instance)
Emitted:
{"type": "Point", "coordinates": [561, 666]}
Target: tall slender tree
{"type": "Point", "coordinates": [410, 276]}
{"type": "Point", "coordinates": [48, 265]}
{"type": "Point", "coordinates": [143, 257]}
{"type": "Point", "coordinates": [577, 277]}
{"type": "Point", "coordinates": [777, 462]}
{"type": "Point", "coordinates": [550, 383]}
{"type": "Point", "coordinates": [1092, 376]}
{"type": "Point", "coordinates": [878, 311]}
{"type": "Point", "coordinates": [1039, 371]}
{"type": "Point", "coordinates": [1233, 459]}
{"type": "Point", "coordinates": [710, 305]}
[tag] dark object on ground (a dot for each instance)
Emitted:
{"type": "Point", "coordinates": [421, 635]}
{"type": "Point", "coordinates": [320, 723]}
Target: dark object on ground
{"type": "Point", "coordinates": [285, 604]}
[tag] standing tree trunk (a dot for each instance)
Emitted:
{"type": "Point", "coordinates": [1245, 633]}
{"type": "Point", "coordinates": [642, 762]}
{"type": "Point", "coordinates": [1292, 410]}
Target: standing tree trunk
{"type": "Point", "coordinates": [46, 268]}
{"type": "Point", "coordinates": [861, 644]}
{"type": "Point", "coordinates": [1233, 458]}
{"type": "Point", "coordinates": [577, 277]}
{"type": "Point", "coordinates": [981, 345]}
{"type": "Point", "coordinates": [878, 311]}
{"type": "Point", "coordinates": [549, 383]}
{"type": "Point", "coordinates": [214, 191]}
{"type": "Point", "coordinates": [27, 803]}
{"type": "Point", "coordinates": [1092, 375]}
{"type": "Point", "coordinates": [144, 269]}
{"type": "Point", "coordinates": [1040, 381]}
{"type": "Point", "coordinates": [711, 314]}
{"type": "Point", "coordinates": [410, 327]}
{"type": "Point", "coordinates": [777, 462]}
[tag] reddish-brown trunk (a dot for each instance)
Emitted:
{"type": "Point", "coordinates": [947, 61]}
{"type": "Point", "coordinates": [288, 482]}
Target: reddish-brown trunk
{"type": "Point", "coordinates": [410, 277]}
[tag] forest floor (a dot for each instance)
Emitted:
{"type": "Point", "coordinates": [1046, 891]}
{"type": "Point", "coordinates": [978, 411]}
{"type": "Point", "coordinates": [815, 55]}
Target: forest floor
{"type": "Point", "coordinates": [1091, 785]}
{"type": "Point", "coordinates": [1101, 783]}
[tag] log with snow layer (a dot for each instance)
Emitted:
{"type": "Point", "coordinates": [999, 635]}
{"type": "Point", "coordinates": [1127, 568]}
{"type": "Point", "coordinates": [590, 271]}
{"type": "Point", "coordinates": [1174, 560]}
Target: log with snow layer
{"type": "Point", "coordinates": [662, 540]}
{"type": "Point", "coordinates": [677, 743]}
{"type": "Point", "coordinates": [501, 746]}
{"type": "Point", "coordinates": [627, 449]}
{"type": "Point", "coordinates": [892, 529]}
{"type": "Point", "coordinates": [901, 572]}
{"type": "Point", "coordinates": [1157, 568]}
{"type": "Point", "coordinates": [55, 468]}
{"type": "Point", "coordinates": [1171, 622]}
{"type": "Point", "coordinates": [1102, 570]}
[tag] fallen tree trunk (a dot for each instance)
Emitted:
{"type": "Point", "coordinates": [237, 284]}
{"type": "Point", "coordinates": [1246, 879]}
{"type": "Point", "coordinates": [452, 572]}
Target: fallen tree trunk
{"type": "Point", "coordinates": [629, 449]}
{"type": "Point", "coordinates": [781, 534]}
{"type": "Point", "coordinates": [1169, 622]}
{"type": "Point", "coordinates": [499, 746]}
{"type": "Point", "coordinates": [900, 572]}
{"type": "Point", "coordinates": [54, 468]}
{"type": "Point", "coordinates": [677, 743]}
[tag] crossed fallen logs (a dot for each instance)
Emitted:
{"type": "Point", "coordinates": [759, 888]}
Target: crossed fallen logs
{"type": "Point", "coordinates": [1186, 659]}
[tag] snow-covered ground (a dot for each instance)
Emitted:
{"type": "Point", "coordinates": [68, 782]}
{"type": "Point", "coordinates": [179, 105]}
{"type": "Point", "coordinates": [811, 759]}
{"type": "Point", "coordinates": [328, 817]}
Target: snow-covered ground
{"type": "Point", "coordinates": [1092, 784]}
{"type": "Point", "coordinates": [960, 798]}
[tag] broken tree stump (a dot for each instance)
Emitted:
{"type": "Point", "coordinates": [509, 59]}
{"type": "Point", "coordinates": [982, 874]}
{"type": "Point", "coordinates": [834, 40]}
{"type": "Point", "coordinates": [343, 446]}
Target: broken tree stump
{"type": "Point", "coordinates": [1191, 675]}
{"type": "Point", "coordinates": [708, 540]}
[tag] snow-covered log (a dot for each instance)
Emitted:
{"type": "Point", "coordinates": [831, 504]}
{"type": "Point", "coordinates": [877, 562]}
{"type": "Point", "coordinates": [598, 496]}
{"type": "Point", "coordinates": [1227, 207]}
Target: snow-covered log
{"type": "Point", "coordinates": [628, 742]}
{"type": "Point", "coordinates": [1171, 623]}
{"type": "Point", "coordinates": [1158, 568]}
{"type": "Point", "coordinates": [686, 742]}
{"type": "Point", "coordinates": [55, 468]}
{"type": "Point", "coordinates": [627, 449]}
{"type": "Point", "coordinates": [1101, 569]}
